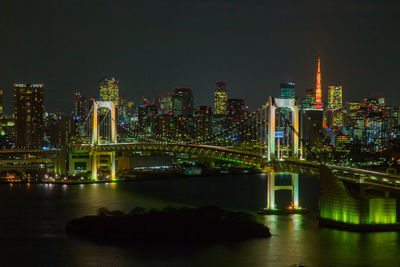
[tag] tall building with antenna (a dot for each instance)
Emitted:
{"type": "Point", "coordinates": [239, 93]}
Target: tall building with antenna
{"type": "Point", "coordinates": [318, 91]}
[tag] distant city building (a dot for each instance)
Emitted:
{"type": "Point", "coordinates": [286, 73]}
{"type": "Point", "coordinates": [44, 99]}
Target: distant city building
{"type": "Point", "coordinates": [220, 98]}
{"type": "Point", "coordinates": [334, 113]}
{"type": "Point", "coordinates": [182, 102]}
{"type": "Point", "coordinates": [203, 119]}
{"type": "Point", "coordinates": [81, 106]}
{"type": "Point", "coordinates": [287, 90]}
{"type": "Point", "coordinates": [166, 104]}
{"type": "Point", "coordinates": [334, 97]}
{"type": "Point", "coordinates": [58, 129]}
{"type": "Point", "coordinates": [126, 107]}
{"type": "Point", "coordinates": [236, 109]}
{"type": "Point", "coordinates": [28, 111]}
{"type": "Point", "coordinates": [109, 90]}
{"type": "Point", "coordinates": [164, 126]}
{"type": "Point", "coordinates": [146, 115]}
{"type": "Point", "coordinates": [144, 101]}
{"type": "Point", "coordinates": [312, 126]}
{"type": "Point", "coordinates": [7, 132]}
{"type": "Point", "coordinates": [309, 98]}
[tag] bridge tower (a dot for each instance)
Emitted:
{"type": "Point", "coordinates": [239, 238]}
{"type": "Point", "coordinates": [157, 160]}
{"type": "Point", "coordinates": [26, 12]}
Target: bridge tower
{"type": "Point", "coordinates": [274, 104]}
{"type": "Point", "coordinates": [95, 140]}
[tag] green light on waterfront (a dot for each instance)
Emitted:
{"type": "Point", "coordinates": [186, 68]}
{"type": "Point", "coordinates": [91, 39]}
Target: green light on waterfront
{"type": "Point", "coordinates": [372, 211]}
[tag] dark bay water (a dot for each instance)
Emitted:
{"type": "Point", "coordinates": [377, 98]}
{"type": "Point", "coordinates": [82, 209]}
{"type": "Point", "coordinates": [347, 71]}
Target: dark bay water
{"type": "Point", "coordinates": [33, 218]}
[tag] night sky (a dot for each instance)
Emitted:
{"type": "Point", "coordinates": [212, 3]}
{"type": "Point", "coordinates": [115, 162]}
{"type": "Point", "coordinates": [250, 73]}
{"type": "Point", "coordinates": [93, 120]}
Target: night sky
{"type": "Point", "coordinates": [155, 46]}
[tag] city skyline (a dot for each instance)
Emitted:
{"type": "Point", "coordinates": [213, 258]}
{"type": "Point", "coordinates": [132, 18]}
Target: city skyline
{"type": "Point", "coordinates": [151, 51]}
{"type": "Point", "coordinates": [213, 132]}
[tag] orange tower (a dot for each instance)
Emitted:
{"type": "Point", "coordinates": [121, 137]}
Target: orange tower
{"type": "Point", "coordinates": [318, 91]}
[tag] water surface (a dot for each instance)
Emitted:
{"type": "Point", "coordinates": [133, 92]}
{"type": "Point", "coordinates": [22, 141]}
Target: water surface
{"type": "Point", "coordinates": [33, 218]}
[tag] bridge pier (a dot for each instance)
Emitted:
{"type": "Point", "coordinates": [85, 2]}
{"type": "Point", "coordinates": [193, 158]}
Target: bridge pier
{"type": "Point", "coordinates": [97, 161]}
{"type": "Point", "coordinates": [93, 159]}
{"type": "Point", "coordinates": [272, 188]}
{"type": "Point", "coordinates": [354, 210]}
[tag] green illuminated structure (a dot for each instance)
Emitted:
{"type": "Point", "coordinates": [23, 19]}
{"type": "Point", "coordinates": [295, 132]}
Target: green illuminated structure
{"type": "Point", "coordinates": [340, 208]}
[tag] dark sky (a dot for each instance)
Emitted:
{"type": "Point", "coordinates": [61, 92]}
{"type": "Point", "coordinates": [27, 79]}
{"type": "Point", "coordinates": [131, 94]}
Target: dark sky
{"type": "Point", "coordinates": [155, 46]}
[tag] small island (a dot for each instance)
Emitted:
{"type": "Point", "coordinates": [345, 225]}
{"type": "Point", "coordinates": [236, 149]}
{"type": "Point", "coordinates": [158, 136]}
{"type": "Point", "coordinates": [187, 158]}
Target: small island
{"type": "Point", "coordinates": [168, 225]}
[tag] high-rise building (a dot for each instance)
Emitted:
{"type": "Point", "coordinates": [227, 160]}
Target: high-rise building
{"type": "Point", "coordinates": [28, 111]}
{"type": "Point", "coordinates": [318, 90]}
{"type": "Point", "coordinates": [312, 126]}
{"type": "Point", "coordinates": [166, 104]}
{"type": "Point", "coordinates": [146, 115]}
{"type": "Point", "coordinates": [309, 98]}
{"type": "Point", "coordinates": [182, 102]}
{"type": "Point", "coordinates": [287, 90]}
{"type": "Point", "coordinates": [109, 90]}
{"type": "Point", "coordinates": [334, 97]}
{"type": "Point", "coordinates": [236, 108]}
{"type": "Point", "coordinates": [220, 98]}
{"type": "Point", "coordinates": [203, 119]}
{"type": "Point", "coordinates": [80, 106]}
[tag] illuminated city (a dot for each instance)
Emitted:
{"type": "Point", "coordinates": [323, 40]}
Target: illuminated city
{"type": "Point", "coordinates": [175, 138]}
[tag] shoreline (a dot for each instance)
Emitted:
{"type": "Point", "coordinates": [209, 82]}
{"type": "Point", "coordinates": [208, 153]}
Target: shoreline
{"type": "Point", "coordinates": [147, 177]}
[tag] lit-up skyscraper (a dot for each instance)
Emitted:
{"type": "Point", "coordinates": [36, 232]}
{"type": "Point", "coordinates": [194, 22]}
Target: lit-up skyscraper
{"type": "Point", "coordinates": [182, 102]}
{"type": "Point", "coordinates": [287, 90]}
{"type": "Point", "coordinates": [309, 98]}
{"type": "Point", "coordinates": [80, 106]}
{"type": "Point", "coordinates": [109, 90]}
{"type": "Point", "coordinates": [28, 111]}
{"type": "Point", "coordinates": [318, 91]}
{"type": "Point", "coordinates": [166, 104]}
{"type": "Point", "coordinates": [334, 97]}
{"type": "Point", "coordinates": [236, 109]}
{"type": "Point", "coordinates": [220, 98]}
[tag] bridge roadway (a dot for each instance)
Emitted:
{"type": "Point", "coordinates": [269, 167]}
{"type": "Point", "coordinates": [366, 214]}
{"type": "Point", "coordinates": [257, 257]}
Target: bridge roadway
{"type": "Point", "coordinates": [355, 175]}
{"type": "Point", "coordinates": [29, 151]}
{"type": "Point", "coordinates": [351, 174]}
{"type": "Point", "coordinates": [215, 152]}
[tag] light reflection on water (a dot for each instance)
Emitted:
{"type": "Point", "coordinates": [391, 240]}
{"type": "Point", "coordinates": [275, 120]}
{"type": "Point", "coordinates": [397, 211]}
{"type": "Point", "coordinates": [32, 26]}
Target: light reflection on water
{"type": "Point", "coordinates": [38, 214]}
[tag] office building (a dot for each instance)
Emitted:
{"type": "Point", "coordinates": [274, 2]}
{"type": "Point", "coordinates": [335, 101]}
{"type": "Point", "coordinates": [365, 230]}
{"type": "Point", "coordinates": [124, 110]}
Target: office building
{"type": "Point", "coordinates": [109, 90]}
{"type": "Point", "coordinates": [28, 111]}
{"type": "Point", "coordinates": [287, 90]}
{"type": "Point", "coordinates": [166, 104]}
{"type": "Point", "coordinates": [236, 109]}
{"type": "Point", "coordinates": [309, 98]}
{"type": "Point", "coordinates": [203, 119]}
{"type": "Point", "coordinates": [334, 97]}
{"type": "Point", "coordinates": [220, 98]}
{"type": "Point", "coordinates": [182, 102]}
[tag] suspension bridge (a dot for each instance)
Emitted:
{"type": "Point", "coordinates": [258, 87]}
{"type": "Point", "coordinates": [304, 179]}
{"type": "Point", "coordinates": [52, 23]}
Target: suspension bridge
{"type": "Point", "coordinates": [340, 203]}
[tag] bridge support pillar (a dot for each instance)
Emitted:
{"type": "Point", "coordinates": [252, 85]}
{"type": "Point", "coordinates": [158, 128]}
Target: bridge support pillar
{"type": "Point", "coordinates": [341, 209]}
{"type": "Point", "coordinates": [271, 191]}
{"type": "Point", "coordinates": [295, 190]}
{"type": "Point", "coordinates": [94, 159]}
{"type": "Point", "coordinates": [112, 169]}
{"type": "Point", "coordinates": [272, 188]}
{"type": "Point", "coordinates": [271, 129]}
